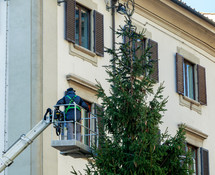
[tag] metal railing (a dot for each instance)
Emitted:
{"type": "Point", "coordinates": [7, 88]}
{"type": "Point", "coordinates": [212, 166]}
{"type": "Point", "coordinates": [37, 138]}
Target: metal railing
{"type": "Point", "coordinates": [88, 125]}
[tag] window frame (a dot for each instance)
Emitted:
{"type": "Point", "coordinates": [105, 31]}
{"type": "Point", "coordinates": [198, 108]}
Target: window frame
{"type": "Point", "coordinates": [80, 8]}
{"type": "Point", "coordinates": [190, 147]}
{"type": "Point", "coordinates": [187, 79]}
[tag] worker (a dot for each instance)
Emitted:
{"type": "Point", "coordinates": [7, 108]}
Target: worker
{"type": "Point", "coordinates": [70, 111]}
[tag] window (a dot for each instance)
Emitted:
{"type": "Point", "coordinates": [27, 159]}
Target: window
{"type": "Point", "coordinates": [195, 142]}
{"type": "Point", "coordinates": [84, 27]}
{"type": "Point", "coordinates": [137, 44]}
{"type": "Point", "coordinates": [194, 152]}
{"type": "Point", "coordinates": [87, 123]}
{"type": "Point", "coordinates": [191, 80]}
{"type": "Point", "coordinates": [88, 91]}
{"type": "Point", "coordinates": [200, 158]}
{"type": "Point", "coordinates": [142, 45]}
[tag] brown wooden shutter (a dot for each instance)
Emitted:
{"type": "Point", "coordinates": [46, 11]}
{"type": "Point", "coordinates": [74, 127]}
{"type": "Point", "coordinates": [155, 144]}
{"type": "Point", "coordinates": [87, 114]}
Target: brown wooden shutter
{"type": "Point", "coordinates": [179, 74]}
{"type": "Point", "coordinates": [201, 85]}
{"type": "Point", "coordinates": [70, 20]}
{"type": "Point", "coordinates": [154, 57]}
{"type": "Point", "coordinates": [204, 161]}
{"type": "Point", "coordinates": [98, 34]}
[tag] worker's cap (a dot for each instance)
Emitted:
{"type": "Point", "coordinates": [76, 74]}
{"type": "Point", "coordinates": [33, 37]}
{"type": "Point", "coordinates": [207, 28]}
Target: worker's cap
{"type": "Point", "coordinates": [70, 89]}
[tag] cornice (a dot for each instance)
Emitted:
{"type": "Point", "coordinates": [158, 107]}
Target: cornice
{"type": "Point", "coordinates": [194, 132]}
{"type": "Point", "coordinates": [179, 22]}
{"type": "Point", "coordinates": [193, 11]}
{"type": "Point", "coordinates": [81, 81]}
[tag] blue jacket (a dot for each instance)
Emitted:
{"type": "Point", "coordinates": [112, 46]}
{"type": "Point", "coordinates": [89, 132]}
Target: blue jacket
{"type": "Point", "coordinates": [70, 115]}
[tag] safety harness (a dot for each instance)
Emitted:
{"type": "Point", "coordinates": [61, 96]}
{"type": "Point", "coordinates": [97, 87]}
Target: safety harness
{"type": "Point", "coordinates": [70, 106]}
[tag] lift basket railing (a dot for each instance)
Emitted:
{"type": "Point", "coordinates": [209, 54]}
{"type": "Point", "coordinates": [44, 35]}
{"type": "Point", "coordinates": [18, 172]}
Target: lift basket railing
{"type": "Point", "coordinates": [85, 130]}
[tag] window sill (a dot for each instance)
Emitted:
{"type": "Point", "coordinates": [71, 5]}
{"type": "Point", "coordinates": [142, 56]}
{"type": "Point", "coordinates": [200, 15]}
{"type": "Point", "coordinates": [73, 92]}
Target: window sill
{"type": "Point", "coordinates": [190, 103]}
{"type": "Point", "coordinates": [83, 53]}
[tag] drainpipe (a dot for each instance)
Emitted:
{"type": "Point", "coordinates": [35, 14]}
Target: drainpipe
{"type": "Point", "coordinates": [113, 9]}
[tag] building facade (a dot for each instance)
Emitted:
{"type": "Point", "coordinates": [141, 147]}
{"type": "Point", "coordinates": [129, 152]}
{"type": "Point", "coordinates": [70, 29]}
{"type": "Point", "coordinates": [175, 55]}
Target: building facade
{"type": "Point", "coordinates": [54, 46]}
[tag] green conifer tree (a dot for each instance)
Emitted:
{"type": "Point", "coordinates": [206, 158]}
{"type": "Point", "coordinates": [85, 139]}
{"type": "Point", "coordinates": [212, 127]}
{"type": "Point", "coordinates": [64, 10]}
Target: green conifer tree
{"type": "Point", "coordinates": [129, 139]}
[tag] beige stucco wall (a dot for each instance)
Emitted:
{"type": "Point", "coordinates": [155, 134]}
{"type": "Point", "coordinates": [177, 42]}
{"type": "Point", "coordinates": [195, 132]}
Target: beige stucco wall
{"type": "Point", "coordinates": [168, 43]}
{"type": "Point", "coordinates": [50, 81]}
{"type": "Point", "coordinates": [84, 70]}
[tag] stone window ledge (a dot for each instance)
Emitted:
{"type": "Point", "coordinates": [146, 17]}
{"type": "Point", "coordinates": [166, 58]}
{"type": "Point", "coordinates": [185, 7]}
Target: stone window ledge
{"type": "Point", "coordinates": [81, 52]}
{"type": "Point", "coordinates": [190, 103]}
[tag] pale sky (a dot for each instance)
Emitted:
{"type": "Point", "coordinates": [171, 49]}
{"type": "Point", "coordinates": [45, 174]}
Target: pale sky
{"type": "Point", "coordinates": [207, 6]}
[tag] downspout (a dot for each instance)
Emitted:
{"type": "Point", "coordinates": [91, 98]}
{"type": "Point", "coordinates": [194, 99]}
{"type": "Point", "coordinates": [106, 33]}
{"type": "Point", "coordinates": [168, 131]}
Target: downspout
{"type": "Point", "coordinates": [113, 9]}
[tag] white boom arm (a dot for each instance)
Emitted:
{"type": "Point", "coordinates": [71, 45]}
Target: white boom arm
{"type": "Point", "coordinates": [24, 141]}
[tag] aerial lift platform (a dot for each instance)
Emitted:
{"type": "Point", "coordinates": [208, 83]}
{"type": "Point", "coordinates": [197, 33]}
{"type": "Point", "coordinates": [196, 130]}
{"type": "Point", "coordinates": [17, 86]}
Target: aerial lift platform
{"type": "Point", "coordinates": [75, 148]}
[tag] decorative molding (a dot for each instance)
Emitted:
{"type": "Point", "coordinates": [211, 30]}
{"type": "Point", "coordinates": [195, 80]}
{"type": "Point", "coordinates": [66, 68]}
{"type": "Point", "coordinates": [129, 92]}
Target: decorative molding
{"type": "Point", "coordinates": [195, 132]}
{"type": "Point", "coordinates": [81, 81]}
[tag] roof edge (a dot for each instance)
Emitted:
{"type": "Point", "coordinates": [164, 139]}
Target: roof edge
{"type": "Point", "coordinates": [185, 6]}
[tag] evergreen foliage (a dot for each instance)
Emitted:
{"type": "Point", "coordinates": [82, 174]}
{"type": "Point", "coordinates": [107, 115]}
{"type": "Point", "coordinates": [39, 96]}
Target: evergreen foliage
{"type": "Point", "coordinates": [129, 140]}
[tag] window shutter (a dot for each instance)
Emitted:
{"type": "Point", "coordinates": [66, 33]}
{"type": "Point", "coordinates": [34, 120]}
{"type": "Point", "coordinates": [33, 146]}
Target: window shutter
{"type": "Point", "coordinates": [204, 161]}
{"type": "Point", "coordinates": [154, 57]}
{"type": "Point", "coordinates": [98, 34]}
{"type": "Point", "coordinates": [70, 20]}
{"type": "Point", "coordinates": [201, 85]}
{"type": "Point", "coordinates": [179, 74]}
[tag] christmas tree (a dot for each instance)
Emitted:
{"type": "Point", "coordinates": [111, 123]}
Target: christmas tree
{"type": "Point", "coordinates": [130, 141]}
